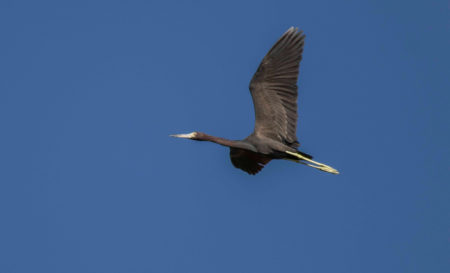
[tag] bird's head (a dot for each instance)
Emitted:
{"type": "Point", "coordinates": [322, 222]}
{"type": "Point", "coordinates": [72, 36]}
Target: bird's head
{"type": "Point", "coordinates": [193, 135]}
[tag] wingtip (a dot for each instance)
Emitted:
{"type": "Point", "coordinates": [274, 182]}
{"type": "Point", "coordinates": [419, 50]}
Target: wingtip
{"type": "Point", "coordinates": [294, 30]}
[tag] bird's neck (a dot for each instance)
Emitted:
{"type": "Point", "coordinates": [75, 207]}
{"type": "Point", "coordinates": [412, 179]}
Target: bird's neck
{"type": "Point", "coordinates": [224, 142]}
{"type": "Point", "coordinates": [218, 140]}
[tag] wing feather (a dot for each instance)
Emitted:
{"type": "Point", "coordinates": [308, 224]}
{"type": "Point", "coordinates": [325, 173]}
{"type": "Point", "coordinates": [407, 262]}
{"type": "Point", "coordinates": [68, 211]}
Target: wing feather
{"type": "Point", "coordinates": [274, 89]}
{"type": "Point", "coordinates": [248, 161]}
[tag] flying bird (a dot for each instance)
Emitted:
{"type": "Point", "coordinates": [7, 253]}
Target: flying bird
{"type": "Point", "coordinates": [274, 93]}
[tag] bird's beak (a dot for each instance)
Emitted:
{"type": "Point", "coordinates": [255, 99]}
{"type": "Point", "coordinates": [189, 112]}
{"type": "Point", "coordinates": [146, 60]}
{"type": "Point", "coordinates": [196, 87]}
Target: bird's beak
{"type": "Point", "coordinates": [191, 135]}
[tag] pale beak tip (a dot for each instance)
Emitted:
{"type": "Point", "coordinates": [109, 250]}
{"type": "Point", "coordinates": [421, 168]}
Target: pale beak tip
{"type": "Point", "coordinates": [190, 135]}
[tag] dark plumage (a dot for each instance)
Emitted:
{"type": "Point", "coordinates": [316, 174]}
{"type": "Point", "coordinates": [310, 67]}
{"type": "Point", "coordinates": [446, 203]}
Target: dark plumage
{"type": "Point", "coordinates": [274, 93]}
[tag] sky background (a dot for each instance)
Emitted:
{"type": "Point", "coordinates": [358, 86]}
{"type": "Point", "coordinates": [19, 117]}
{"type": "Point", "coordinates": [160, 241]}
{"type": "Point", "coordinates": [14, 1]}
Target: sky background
{"type": "Point", "coordinates": [91, 182]}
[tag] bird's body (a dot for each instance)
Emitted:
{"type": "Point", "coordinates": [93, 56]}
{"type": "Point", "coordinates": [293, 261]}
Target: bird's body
{"type": "Point", "coordinates": [274, 93]}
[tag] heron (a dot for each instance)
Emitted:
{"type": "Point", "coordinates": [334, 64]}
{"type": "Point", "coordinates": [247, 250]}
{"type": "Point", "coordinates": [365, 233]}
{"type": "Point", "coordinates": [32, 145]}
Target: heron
{"type": "Point", "coordinates": [274, 93]}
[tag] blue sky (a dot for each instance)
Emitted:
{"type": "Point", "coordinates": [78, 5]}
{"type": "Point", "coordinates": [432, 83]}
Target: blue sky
{"type": "Point", "coordinates": [91, 182]}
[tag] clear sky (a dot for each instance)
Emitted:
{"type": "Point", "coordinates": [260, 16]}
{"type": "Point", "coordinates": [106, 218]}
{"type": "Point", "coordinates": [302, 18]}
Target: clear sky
{"type": "Point", "coordinates": [91, 182]}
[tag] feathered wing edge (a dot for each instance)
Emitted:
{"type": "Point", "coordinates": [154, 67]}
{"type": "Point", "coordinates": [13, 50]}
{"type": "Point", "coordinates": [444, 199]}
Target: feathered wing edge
{"type": "Point", "coordinates": [274, 89]}
{"type": "Point", "coordinates": [248, 161]}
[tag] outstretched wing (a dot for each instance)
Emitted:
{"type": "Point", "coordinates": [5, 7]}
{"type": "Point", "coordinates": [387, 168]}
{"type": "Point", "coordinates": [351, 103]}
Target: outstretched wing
{"type": "Point", "coordinates": [274, 89]}
{"type": "Point", "coordinates": [248, 161]}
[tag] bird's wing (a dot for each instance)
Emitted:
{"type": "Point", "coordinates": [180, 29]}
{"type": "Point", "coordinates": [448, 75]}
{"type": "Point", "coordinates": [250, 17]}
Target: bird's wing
{"type": "Point", "coordinates": [274, 89]}
{"type": "Point", "coordinates": [248, 161]}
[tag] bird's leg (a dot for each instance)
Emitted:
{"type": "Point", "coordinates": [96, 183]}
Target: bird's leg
{"type": "Point", "coordinates": [316, 165]}
{"type": "Point", "coordinates": [301, 162]}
